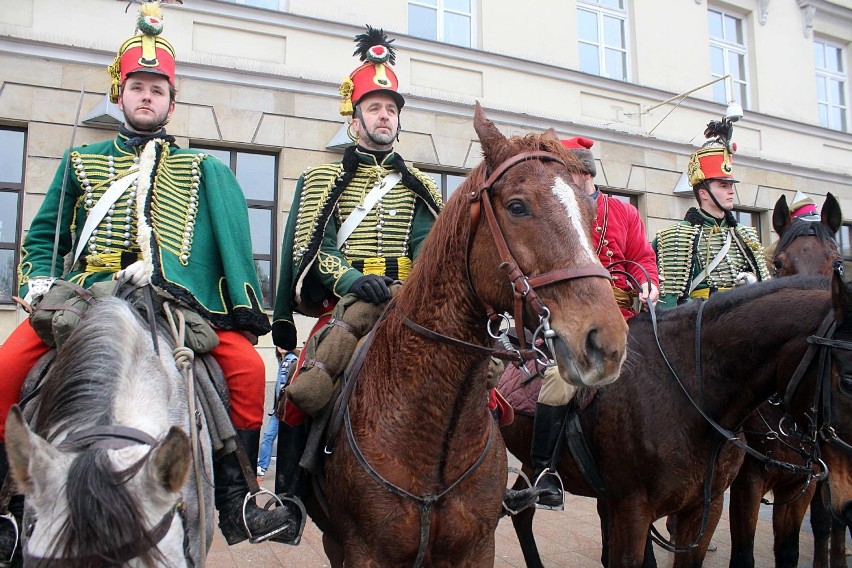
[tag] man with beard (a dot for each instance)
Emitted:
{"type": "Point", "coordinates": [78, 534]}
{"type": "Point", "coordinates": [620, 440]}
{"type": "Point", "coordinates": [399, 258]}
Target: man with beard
{"type": "Point", "coordinates": [355, 227]}
{"type": "Point", "coordinates": [137, 208]}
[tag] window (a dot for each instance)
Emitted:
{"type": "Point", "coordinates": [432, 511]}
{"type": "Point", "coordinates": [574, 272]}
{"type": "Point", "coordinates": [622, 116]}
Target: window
{"type": "Point", "coordinates": [844, 241]}
{"type": "Point", "coordinates": [625, 197]}
{"type": "Point", "coordinates": [13, 143]}
{"type": "Point", "coordinates": [831, 85]}
{"type": "Point", "coordinates": [602, 33]}
{"type": "Point", "coordinates": [258, 177]}
{"type": "Point", "coordinates": [448, 182]}
{"type": "Point", "coordinates": [748, 219]}
{"type": "Point", "coordinates": [280, 5]}
{"type": "Point", "coordinates": [449, 21]}
{"type": "Point", "coordinates": [728, 56]}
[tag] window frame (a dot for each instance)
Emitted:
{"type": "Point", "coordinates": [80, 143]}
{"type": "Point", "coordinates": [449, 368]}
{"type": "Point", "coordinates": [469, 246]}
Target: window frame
{"type": "Point", "coordinates": [282, 5]}
{"type": "Point", "coordinates": [16, 188]}
{"type": "Point", "coordinates": [841, 241]}
{"type": "Point", "coordinates": [260, 204]}
{"type": "Point", "coordinates": [755, 214]}
{"type": "Point", "coordinates": [728, 47]}
{"type": "Point", "coordinates": [627, 197]}
{"type": "Point", "coordinates": [440, 11]}
{"type": "Point", "coordinates": [842, 77]}
{"type": "Point", "coordinates": [443, 182]}
{"type": "Point", "coordinates": [618, 13]}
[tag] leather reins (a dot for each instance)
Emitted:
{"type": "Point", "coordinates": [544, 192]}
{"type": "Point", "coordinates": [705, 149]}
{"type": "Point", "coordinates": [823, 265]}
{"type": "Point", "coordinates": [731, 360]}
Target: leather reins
{"type": "Point", "coordinates": [820, 343]}
{"type": "Point", "coordinates": [524, 290]}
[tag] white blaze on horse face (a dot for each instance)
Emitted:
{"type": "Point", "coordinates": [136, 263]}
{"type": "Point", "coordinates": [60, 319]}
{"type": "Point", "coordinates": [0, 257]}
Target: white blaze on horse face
{"type": "Point", "coordinates": [565, 195]}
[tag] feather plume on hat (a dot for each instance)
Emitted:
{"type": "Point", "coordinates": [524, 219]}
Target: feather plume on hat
{"type": "Point", "coordinates": [375, 46]}
{"type": "Point", "coordinates": [375, 74]}
{"type": "Point", "coordinates": [720, 132]}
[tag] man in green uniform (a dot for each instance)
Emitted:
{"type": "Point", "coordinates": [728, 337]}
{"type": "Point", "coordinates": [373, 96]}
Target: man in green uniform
{"type": "Point", "coordinates": [355, 227]}
{"type": "Point", "coordinates": [139, 208]}
{"type": "Point", "coordinates": [708, 251]}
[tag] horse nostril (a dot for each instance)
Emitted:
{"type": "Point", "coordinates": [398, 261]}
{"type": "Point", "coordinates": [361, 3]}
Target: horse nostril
{"type": "Point", "coordinates": [593, 347]}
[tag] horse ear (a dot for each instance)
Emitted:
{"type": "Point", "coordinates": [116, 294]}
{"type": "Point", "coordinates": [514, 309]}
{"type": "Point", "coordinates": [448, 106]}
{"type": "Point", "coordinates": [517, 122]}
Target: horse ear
{"type": "Point", "coordinates": [781, 216]}
{"type": "Point", "coordinates": [495, 147]}
{"type": "Point", "coordinates": [31, 459]}
{"type": "Point", "coordinates": [172, 459]}
{"type": "Point", "coordinates": [830, 214]}
{"type": "Point", "coordinates": [550, 134]}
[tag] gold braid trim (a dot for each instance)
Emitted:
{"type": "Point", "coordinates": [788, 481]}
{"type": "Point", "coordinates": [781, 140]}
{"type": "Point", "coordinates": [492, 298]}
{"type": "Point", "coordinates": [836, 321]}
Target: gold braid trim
{"type": "Point", "coordinates": [316, 187]}
{"type": "Point", "coordinates": [430, 186]}
{"type": "Point", "coordinates": [674, 257]}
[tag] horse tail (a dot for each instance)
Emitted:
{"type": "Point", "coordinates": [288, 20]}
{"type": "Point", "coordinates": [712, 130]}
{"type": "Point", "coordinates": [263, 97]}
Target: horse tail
{"type": "Point", "coordinates": [102, 510]}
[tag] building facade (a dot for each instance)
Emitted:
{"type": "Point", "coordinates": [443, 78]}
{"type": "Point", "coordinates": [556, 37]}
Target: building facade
{"type": "Point", "coordinates": [258, 87]}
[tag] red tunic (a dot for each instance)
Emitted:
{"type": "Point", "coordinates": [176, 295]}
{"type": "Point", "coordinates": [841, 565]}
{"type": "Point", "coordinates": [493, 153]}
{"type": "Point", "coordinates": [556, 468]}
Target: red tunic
{"type": "Point", "coordinates": [619, 234]}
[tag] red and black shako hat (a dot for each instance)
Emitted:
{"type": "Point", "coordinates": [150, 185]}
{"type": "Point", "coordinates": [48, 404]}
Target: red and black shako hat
{"type": "Point", "coordinates": [715, 159]}
{"type": "Point", "coordinates": [375, 74]}
{"type": "Point", "coordinates": [144, 52]}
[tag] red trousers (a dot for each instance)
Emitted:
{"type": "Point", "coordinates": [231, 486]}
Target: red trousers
{"type": "Point", "coordinates": [243, 368]}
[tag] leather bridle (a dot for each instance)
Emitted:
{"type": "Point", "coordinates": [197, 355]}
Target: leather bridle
{"type": "Point", "coordinates": [523, 286]}
{"type": "Point", "coordinates": [113, 437]}
{"type": "Point", "coordinates": [820, 345]}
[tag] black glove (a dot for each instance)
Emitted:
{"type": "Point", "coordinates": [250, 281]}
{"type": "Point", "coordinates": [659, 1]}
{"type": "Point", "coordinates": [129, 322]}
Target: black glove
{"type": "Point", "coordinates": [372, 288]}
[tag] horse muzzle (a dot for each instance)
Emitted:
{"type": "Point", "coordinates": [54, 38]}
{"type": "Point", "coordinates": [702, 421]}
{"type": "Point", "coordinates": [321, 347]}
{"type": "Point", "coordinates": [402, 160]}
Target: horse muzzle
{"type": "Point", "coordinates": [593, 365]}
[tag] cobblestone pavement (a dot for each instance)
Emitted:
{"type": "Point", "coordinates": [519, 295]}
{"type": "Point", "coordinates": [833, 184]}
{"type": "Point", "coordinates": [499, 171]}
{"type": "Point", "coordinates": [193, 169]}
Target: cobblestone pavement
{"type": "Point", "coordinates": [566, 538]}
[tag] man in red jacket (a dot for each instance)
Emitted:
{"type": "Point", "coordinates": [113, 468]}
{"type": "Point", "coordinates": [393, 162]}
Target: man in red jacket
{"type": "Point", "coordinates": [618, 234]}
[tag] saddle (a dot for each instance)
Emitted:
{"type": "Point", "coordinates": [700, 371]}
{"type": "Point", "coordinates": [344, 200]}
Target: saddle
{"type": "Point", "coordinates": [57, 313]}
{"type": "Point", "coordinates": [327, 353]}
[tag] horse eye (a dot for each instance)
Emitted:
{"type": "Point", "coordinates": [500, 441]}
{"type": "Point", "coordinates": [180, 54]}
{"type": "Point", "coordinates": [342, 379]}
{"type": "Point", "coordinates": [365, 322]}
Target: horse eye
{"type": "Point", "coordinates": [846, 384]}
{"type": "Point", "coordinates": [517, 209]}
{"type": "Point", "coordinates": [777, 264]}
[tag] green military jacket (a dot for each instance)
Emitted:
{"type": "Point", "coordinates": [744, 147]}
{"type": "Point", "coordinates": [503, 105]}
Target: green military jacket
{"type": "Point", "coordinates": [685, 249]}
{"type": "Point", "coordinates": [185, 217]}
{"type": "Point", "coordinates": [314, 270]}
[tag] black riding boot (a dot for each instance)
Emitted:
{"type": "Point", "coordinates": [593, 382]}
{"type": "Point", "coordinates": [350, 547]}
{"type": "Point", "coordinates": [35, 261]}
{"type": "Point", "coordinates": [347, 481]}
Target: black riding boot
{"type": "Point", "coordinates": [10, 539]}
{"type": "Point", "coordinates": [291, 480]}
{"type": "Point", "coordinates": [547, 428]}
{"type": "Point", "coordinates": [292, 441]}
{"type": "Point", "coordinates": [230, 491]}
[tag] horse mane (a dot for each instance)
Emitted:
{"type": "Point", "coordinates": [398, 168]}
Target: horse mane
{"type": "Point", "coordinates": [79, 392]}
{"type": "Point", "coordinates": [801, 228]}
{"type": "Point", "coordinates": [730, 300]}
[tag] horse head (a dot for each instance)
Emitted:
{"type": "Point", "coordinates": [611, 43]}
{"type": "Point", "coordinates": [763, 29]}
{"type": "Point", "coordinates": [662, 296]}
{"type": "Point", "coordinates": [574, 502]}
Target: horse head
{"type": "Point", "coordinates": [544, 221]}
{"type": "Point", "coordinates": [104, 484]}
{"type": "Point", "coordinates": [806, 247]}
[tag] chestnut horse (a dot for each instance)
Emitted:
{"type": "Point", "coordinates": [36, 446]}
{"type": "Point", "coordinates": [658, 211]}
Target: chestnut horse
{"type": "Point", "coordinates": [418, 472]}
{"type": "Point", "coordinates": [649, 440]}
{"type": "Point", "coordinates": [804, 247]}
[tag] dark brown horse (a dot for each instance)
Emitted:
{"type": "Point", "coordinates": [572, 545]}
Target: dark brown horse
{"type": "Point", "coordinates": [651, 444]}
{"type": "Point", "coordinates": [418, 473]}
{"type": "Point", "coordinates": [804, 247]}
